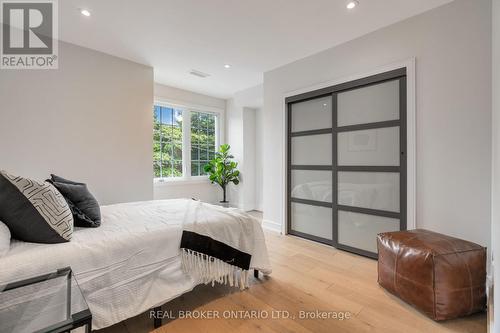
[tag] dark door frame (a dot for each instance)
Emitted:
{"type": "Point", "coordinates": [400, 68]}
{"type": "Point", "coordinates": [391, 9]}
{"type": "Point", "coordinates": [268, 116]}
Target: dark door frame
{"type": "Point", "coordinates": [397, 74]}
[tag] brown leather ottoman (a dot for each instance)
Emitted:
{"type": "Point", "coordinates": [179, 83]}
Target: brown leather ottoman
{"type": "Point", "coordinates": [442, 276]}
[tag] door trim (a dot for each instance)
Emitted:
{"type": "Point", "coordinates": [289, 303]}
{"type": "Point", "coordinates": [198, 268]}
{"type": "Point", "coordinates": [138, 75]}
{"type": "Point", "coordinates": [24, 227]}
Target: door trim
{"type": "Point", "coordinates": [410, 65]}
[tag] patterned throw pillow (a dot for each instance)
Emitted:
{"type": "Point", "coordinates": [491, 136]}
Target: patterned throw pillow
{"type": "Point", "coordinates": [34, 211]}
{"type": "Point", "coordinates": [4, 239]}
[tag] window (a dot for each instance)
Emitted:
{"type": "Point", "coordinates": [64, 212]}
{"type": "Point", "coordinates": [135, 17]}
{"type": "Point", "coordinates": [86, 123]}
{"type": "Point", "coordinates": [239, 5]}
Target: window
{"type": "Point", "coordinates": [184, 141]}
{"type": "Point", "coordinates": [202, 141]}
{"type": "Point", "coordinates": [167, 142]}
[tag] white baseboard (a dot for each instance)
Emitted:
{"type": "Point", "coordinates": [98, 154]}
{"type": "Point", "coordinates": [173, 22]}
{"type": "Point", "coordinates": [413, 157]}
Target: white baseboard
{"type": "Point", "coordinates": [272, 226]}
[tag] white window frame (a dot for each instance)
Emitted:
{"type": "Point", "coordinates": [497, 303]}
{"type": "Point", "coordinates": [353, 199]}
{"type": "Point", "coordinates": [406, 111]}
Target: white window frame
{"type": "Point", "coordinates": [187, 108]}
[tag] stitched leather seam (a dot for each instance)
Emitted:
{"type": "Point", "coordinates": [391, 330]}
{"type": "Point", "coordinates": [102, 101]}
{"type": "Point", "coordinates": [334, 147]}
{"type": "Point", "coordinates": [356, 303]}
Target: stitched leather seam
{"type": "Point", "coordinates": [461, 289]}
{"type": "Point", "coordinates": [401, 247]}
{"type": "Point", "coordinates": [461, 258]}
{"type": "Point", "coordinates": [404, 277]}
{"type": "Point", "coordinates": [395, 271]}
{"type": "Point", "coordinates": [456, 252]}
{"type": "Point", "coordinates": [434, 285]}
{"type": "Point", "coordinates": [471, 290]}
{"type": "Point", "coordinates": [440, 288]}
{"type": "Point", "coordinates": [425, 285]}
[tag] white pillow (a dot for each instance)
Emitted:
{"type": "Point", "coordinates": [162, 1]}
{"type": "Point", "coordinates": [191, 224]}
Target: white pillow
{"type": "Point", "coordinates": [4, 239]}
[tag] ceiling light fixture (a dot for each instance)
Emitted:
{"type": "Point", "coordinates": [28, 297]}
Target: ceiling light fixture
{"type": "Point", "coordinates": [227, 66]}
{"type": "Point", "coordinates": [85, 12]}
{"type": "Point", "coordinates": [352, 4]}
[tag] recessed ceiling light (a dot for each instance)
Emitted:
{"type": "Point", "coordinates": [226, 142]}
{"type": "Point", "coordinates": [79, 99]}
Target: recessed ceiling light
{"type": "Point", "coordinates": [227, 66]}
{"type": "Point", "coordinates": [85, 12]}
{"type": "Point", "coordinates": [352, 4]}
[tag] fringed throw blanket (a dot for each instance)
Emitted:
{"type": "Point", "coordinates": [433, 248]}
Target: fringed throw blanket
{"type": "Point", "coordinates": [217, 245]}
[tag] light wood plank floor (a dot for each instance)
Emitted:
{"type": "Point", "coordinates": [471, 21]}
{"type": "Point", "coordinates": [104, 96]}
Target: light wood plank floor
{"type": "Point", "coordinates": [306, 276]}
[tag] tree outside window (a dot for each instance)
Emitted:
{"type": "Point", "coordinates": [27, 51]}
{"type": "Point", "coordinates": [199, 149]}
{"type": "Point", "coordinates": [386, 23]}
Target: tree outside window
{"type": "Point", "coordinates": [168, 141]}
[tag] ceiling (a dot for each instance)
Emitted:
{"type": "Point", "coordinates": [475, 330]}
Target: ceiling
{"type": "Point", "coordinates": [253, 36]}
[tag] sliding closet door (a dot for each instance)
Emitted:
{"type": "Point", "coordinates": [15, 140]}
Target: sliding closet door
{"type": "Point", "coordinates": [310, 156]}
{"type": "Point", "coordinates": [370, 164]}
{"type": "Point", "coordinates": [347, 162]}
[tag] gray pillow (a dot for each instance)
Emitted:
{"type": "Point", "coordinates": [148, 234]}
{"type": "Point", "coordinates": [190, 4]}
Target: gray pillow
{"type": "Point", "coordinates": [83, 205]}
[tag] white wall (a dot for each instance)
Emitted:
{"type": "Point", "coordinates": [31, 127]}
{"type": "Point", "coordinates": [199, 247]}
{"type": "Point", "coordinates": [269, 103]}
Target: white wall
{"type": "Point", "coordinates": [241, 123]}
{"type": "Point", "coordinates": [180, 95]}
{"type": "Point", "coordinates": [495, 218]}
{"type": "Point", "coordinates": [259, 161]}
{"type": "Point", "coordinates": [452, 46]}
{"type": "Point", "coordinates": [234, 137]}
{"type": "Point", "coordinates": [198, 189]}
{"type": "Point", "coordinates": [249, 175]}
{"type": "Point", "coordinates": [90, 120]}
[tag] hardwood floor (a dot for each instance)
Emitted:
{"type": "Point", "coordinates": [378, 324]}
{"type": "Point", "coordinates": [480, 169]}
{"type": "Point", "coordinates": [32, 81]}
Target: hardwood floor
{"type": "Point", "coordinates": [306, 277]}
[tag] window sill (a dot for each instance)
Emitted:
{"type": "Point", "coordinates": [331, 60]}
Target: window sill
{"type": "Point", "coordinates": [181, 181]}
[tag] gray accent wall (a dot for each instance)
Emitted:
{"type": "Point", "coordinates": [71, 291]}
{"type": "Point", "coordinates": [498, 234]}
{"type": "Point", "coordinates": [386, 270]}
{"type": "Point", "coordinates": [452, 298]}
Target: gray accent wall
{"type": "Point", "coordinates": [452, 47]}
{"type": "Point", "coordinates": [90, 120]}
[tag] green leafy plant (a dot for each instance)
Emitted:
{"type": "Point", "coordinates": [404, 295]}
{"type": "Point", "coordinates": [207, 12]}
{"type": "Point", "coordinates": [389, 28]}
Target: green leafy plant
{"type": "Point", "coordinates": [222, 169]}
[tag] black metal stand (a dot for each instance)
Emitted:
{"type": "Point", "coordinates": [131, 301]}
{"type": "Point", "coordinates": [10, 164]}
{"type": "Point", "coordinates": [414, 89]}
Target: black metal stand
{"type": "Point", "coordinates": [73, 321]}
{"type": "Point", "coordinates": [156, 320]}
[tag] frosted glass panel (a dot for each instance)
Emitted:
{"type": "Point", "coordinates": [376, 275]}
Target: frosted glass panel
{"type": "Point", "coordinates": [312, 114]}
{"type": "Point", "coordinates": [360, 230]}
{"type": "Point", "coordinates": [376, 190]}
{"type": "Point", "coordinates": [312, 185]}
{"type": "Point", "coordinates": [312, 220]}
{"type": "Point", "coordinates": [370, 104]}
{"type": "Point", "coordinates": [312, 150]}
{"type": "Point", "coordinates": [369, 147]}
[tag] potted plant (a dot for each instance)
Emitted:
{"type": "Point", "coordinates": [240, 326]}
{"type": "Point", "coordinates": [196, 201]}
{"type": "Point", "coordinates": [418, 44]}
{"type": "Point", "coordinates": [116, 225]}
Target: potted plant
{"type": "Point", "coordinates": [222, 169]}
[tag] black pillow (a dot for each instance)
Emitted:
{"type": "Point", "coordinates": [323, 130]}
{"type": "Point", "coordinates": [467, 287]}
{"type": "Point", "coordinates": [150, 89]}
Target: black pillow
{"type": "Point", "coordinates": [83, 204]}
{"type": "Point", "coordinates": [34, 211]}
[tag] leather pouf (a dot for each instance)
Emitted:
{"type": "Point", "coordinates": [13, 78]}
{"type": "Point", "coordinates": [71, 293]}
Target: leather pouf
{"type": "Point", "coordinates": [442, 276]}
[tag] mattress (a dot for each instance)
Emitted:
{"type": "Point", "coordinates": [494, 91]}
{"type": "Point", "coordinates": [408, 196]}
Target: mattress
{"type": "Point", "coordinates": [131, 263]}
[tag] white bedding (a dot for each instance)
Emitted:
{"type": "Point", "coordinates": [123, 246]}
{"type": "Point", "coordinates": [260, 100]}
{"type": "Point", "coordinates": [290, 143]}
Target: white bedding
{"type": "Point", "coordinates": [132, 262]}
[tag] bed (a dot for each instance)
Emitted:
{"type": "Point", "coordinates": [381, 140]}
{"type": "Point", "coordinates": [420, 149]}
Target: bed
{"type": "Point", "coordinates": [133, 262]}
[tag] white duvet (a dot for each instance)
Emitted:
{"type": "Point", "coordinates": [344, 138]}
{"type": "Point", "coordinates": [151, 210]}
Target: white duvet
{"type": "Point", "coordinates": [131, 263]}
